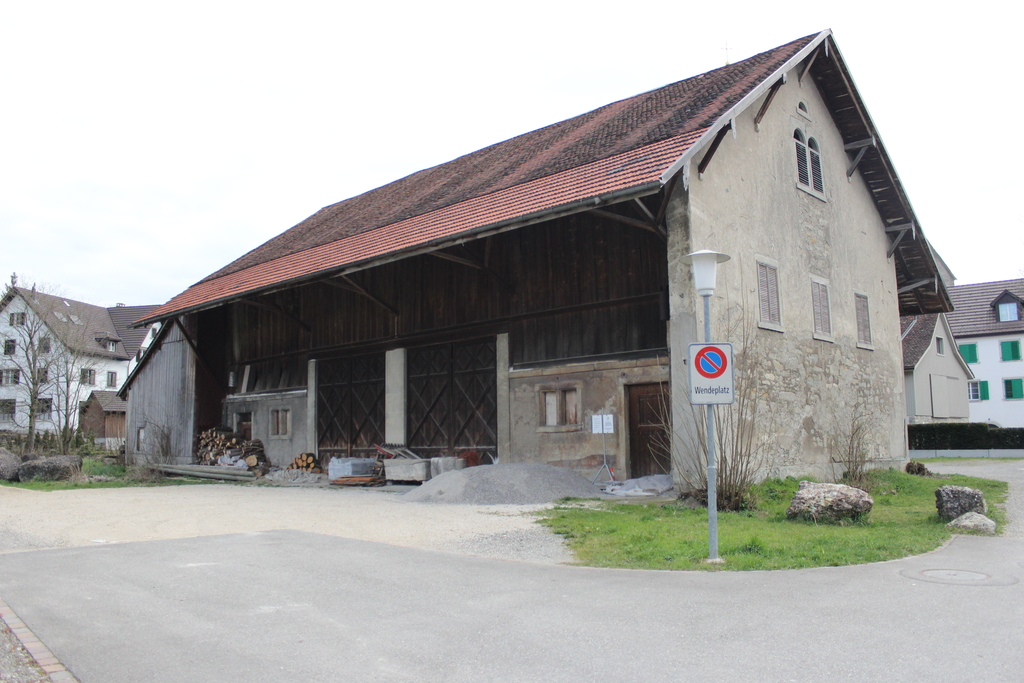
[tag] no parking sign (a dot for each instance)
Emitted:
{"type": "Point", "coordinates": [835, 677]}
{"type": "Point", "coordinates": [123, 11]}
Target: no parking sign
{"type": "Point", "coordinates": [711, 378]}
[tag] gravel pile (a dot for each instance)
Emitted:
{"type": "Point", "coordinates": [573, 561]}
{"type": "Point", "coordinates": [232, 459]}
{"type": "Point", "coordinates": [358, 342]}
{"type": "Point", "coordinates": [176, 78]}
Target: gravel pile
{"type": "Point", "coordinates": [514, 484]}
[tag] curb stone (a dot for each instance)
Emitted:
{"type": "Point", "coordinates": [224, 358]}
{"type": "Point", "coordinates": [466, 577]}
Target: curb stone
{"type": "Point", "coordinates": [40, 654]}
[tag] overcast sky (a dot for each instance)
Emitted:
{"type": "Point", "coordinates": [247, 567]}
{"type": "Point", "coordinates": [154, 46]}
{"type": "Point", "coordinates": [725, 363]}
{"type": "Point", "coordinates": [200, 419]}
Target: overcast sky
{"type": "Point", "coordinates": [143, 145]}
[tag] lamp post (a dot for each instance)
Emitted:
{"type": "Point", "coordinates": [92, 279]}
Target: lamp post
{"type": "Point", "coordinates": [705, 266]}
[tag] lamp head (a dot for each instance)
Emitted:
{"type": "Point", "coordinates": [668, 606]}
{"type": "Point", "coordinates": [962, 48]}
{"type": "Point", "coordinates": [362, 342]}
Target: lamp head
{"type": "Point", "coordinates": [705, 264]}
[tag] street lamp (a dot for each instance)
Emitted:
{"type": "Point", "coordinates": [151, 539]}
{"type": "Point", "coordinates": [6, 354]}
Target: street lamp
{"type": "Point", "coordinates": [705, 265]}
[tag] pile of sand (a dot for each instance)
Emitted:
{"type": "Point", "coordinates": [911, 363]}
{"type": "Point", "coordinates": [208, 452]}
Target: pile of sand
{"type": "Point", "coordinates": [515, 484]}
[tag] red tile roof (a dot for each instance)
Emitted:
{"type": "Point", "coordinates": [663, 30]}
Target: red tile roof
{"type": "Point", "coordinates": [624, 146]}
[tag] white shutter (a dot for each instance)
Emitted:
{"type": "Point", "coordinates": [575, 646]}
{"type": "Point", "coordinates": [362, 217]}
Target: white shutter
{"type": "Point", "coordinates": [863, 320]}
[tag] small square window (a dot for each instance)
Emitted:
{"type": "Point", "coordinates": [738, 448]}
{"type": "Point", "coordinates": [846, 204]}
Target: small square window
{"type": "Point", "coordinates": [44, 406]}
{"type": "Point", "coordinates": [559, 408]}
{"type": "Point", "coordinates": [111, 379]}
{"type": "Point", "coordinates": [44, 345]}
{"type": "Point", "coordinates": [9, 347]}
{"type": "Point", "coordinates": [10, 377]}
{"type": "Point", "coordinates": [940, 346]}
{"type": "Point", "coordinates": [7, 408]}
{"type": "Point", "coordinates": [112, 346]}
{"type": "Point", "coordinates": [279, 419]}
{"type": "Point", "coordinates": [88, 376]}
{"type": "Point", "coordinates": [17, 319]}
{"type": "Point", "coordinates": [1007, 312]}
{"type": "Point", "coordinates": [973, 391]}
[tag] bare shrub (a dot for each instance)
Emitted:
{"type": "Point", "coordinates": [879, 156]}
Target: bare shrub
{"type": "Point", "coordinates": [744, 431]}
{"type": "Point", "coordinates": [851, 432]}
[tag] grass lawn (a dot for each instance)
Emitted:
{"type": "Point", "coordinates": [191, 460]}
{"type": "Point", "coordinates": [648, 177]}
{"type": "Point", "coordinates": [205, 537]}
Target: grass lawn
{"type": "Point", "coordinates": [120, 476]}
{"type": "Point", "coordinates": [671, 536]}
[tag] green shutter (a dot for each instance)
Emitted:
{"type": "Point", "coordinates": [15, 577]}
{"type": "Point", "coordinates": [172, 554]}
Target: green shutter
{"type": "Point", "coordinates": [1009, 350]}
{"type": "Point", "coordinates": [969, 352]}
{"type": "Point", "coordinates": [983, 387]}
{"type": "Point", "coordinates": [1013, 388]}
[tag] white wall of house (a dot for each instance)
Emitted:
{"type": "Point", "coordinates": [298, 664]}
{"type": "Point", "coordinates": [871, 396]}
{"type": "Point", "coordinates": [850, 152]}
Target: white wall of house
{"type": "Point", "coordinates": [937, 387]}
{"type": "Point", "coordinates": [101, 373]}
{"type": "Point", "coordinates": [748, 204]}
{"type": "Point", "coordinates": [991, 369]}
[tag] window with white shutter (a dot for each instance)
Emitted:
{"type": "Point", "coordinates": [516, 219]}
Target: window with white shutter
{"type": "Point", "coordinates": [863, 321]}
{"type": "Point", "coordinates": [809, 176]}
{"type": "Point", "coordinates": [768, 296]}
{"type": "Point", "coordinates": [822, 314]}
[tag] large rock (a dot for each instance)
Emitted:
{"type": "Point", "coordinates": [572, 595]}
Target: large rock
{"type": "Point", "coordinates": [973, 521]}
{"type": "Point", "coordinates": [57, 468]}
{"type": "Point", "coordinates": [9, 463]}
{"type": "Point", "coordinates": [953, 501]}
{"type": "Point", "coordinates": [829, 502]}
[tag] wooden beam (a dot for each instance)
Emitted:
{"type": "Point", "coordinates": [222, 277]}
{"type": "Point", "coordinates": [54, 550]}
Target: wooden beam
{"type": "Point", "coordinates": [195, 350]}
{"type": "Point", "coordinates": [856, 161]}
{"type": "Point", "coordinates": [457, 259]}
{"type": "Point", "coordinates": [896, 243]}
{"type": "Point", "coordinates": [628, 221]}
{"type": "Point", "coordinates": [807, 67]}
{"type": "Point", "coordinates": [669, 189]}
{"type": "Point", "coordinates": [645, 211]}
{"type": "Point", "coordinates": [867, 142]}
{"type": "Point", "coordinates": [349, 285]}
{"type": "Point", "coordinates": [904, 226]}
{"type": "Point", "coordinates": [713, 148]}
{"type": "Point", "coordinates": [266, 305]}
{"type": "Point", "coordinates": [768, 101]}
{"type": "Point", "coordinates": [473, 262]}
{"type": "Point", "coordinates": [915, 285]}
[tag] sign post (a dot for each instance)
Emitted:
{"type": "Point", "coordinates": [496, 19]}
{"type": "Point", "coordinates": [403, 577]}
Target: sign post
{"type": "Point", "coordinates": [710, 379]}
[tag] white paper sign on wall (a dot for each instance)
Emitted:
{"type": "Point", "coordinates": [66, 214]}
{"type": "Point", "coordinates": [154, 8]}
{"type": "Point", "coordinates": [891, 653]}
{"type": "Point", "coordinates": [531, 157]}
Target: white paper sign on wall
{"type": "Point", "coordinates": [602, 424]}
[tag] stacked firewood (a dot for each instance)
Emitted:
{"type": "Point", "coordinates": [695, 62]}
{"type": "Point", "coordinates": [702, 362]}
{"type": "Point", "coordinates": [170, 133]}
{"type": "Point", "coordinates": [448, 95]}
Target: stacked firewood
{"type": "Point", "coordinates": [215, 443]}
{"type": "Point", "coordinates": [307, 462]}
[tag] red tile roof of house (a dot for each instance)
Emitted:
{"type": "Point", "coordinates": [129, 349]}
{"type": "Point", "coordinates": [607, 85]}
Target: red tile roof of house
{"type": "Point", "coordinates": [622, 147]}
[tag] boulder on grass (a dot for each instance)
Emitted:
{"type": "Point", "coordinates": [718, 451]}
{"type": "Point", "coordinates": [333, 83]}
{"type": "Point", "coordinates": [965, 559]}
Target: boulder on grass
{"type": "Point", "coordinates": [57, 468]}
{"type": "Point", "coordinates": [9, 463]}
{"type": "Point", "coordinates": [973, 521]}
{"type": "Point", "coordinates": [917, 468]}
{"type": "Point", "coordinates": [829, 502]}
{"type": "Point", "coordinates": [953, 501]}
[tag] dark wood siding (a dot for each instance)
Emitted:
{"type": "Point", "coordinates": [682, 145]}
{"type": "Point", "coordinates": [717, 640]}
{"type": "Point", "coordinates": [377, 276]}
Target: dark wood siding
{"type": "Point", "coordinates": [574, 286]}
{"type": "Point", "coordinates": [350, 406]}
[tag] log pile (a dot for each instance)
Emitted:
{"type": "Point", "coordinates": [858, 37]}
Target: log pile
{"type": "Point", "coordinates": [216, 443]}
{"type": "Point", "coordinates": [307, 462]}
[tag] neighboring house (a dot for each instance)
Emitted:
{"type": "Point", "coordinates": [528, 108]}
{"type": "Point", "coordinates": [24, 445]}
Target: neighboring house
{"type": "Point", "coordinates": [103, 416]}
{"type": "Point", "coordinates": [936, 374]}
{"type": "Point", "coordinates": [134, 339]}
{"type": "Point", "coordinates": [988, 324]}
{"type": "Point", "coordinates": [56, 351]}
{"type": "Point", "coordinates": [498, 302]}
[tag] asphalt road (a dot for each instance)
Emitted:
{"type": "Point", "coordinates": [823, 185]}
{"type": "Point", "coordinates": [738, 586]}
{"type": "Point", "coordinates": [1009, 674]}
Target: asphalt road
{"type": "Point", "coordinates": [287, 606]}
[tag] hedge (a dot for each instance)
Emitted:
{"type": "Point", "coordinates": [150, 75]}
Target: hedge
{"type": "Point", "coordinates": [946, 436]}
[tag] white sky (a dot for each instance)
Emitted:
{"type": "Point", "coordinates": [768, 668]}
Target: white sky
{"type": "Point", "coordinates": [144, 146]}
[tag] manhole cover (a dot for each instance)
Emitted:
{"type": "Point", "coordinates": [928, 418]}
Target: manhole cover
{"type": "Point", "coordinates": [958, 577]}
{"type": "Point", "coordinates": [954, 575]}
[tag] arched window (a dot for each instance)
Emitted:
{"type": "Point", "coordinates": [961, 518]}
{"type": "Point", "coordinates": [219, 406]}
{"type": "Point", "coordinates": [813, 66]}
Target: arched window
{"type": "Point", "coordinates": [815, 153]}
{"type": "Point", "coordinates": [808, 162]}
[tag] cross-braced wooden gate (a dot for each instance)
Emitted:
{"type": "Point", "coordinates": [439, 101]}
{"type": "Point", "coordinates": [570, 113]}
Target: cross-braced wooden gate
{"type": "Point", "coordinates": [453, 398]}
{"type": "Point", "coordinates": [350, 406]}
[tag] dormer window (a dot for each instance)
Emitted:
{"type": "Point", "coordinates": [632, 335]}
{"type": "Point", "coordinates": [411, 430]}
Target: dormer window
{"type": "Point", "coordinates": [808, 164]}
{"type": "Point", "coordinates": [1008, 311]}
{"type": "Point", "coordinates": [112, 346]}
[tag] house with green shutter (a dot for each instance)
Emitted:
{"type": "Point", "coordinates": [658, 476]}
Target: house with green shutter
{"type": "Point", "coordinates": [988, 325]}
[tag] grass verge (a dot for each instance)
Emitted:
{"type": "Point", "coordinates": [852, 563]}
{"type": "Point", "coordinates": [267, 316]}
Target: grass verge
{"type": "Point", "coordinates": [117, 476]}
{"type": "Point", "coordinates": [671, 536]}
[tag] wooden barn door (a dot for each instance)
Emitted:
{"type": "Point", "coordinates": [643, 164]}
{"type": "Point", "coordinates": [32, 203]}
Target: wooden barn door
{"type": "Point", "coordinates": [350, 406]}
{"type": "Point", "coordinates": [453, 398]}
{"type": "Point", "coordinates": [648, 434]}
